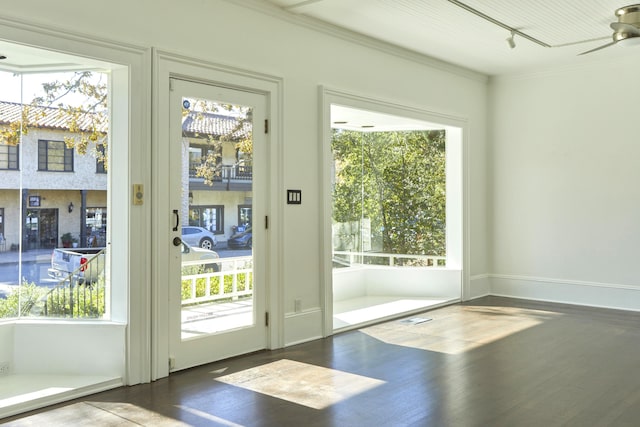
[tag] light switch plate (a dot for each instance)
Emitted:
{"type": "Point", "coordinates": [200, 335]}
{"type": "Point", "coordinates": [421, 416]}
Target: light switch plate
{"type": "Point", "coordinates": [294, 197]}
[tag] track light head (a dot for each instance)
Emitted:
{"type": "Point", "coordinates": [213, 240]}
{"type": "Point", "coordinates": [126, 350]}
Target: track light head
{"type": "Point", "coordinates": [510, 40]}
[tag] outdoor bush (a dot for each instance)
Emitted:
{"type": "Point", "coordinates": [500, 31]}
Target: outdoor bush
{"type": "Point", "coordinates": [201, 283]}
{"type": "Point", "coordinates": [22, 300]}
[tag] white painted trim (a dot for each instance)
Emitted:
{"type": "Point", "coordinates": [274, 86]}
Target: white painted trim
{"type": "Point", "coordinates": [360, 39]}
{"type": "Point", "coordinates": [593, 294]}
{"type": "Point", "coordinates": [303, 327]}
{"type": "Point", "coordinates": [168, 65]}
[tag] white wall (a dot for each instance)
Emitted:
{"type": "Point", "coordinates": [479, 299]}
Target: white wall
{"type": "Point", "coordinates": [225, 33]}
{"type": "Point", "coordinates": [566, 199]}
{"type": "Point", "coordinates": [430, 282]}
{"type": "Point", "coordinates": [81, 348]}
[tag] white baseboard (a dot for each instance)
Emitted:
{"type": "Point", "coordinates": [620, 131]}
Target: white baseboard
{"type": "Point", "coordinates": [302, 327]}
{"type": "Point", "coordinates": [605, 295]}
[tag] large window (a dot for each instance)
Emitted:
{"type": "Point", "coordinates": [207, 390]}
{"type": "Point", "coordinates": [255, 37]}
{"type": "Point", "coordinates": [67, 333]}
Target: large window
{"type": "Point", "coordinates": [209, 217]}
{"type": "Point", "coordinates": [49, 216]}
{"type": "Point", "coordinates": [395, 213]}
{"type": "Point", "coordinates": [9, 157]}
{"type": "Point", "coordinates": [389, 196]}
{"type": "Point", "coordinates": [54, 156]}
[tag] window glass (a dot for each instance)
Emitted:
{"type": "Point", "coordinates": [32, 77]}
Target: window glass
{"type": "Point", "coordinates": [8, 156]}
{"type": "Point", "coordinates": [209, 217]}
{"type": "Point", "coordinates": [389, 201]}
{"type": "Point", "coordinates": [53, 227]}
{"type": "Point", "coordinates": [54, 156]}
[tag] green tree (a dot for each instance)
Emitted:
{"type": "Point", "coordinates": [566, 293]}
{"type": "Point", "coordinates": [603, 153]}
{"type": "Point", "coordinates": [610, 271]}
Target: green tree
{"type": "Point", "coordinates": [397, 181]}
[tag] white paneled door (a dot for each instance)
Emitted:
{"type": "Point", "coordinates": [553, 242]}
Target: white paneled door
{"type": "Point", "coordinates": [218, 181]}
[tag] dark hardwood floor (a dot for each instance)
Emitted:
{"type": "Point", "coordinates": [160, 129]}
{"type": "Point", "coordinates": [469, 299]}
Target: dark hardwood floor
{"type": "Point", "coordinates": [491, 362]}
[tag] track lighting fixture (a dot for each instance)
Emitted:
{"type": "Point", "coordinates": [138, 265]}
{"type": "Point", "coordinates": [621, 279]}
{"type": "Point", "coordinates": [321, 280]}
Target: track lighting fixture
{"type": "Point", "coordinates": [510, 40]}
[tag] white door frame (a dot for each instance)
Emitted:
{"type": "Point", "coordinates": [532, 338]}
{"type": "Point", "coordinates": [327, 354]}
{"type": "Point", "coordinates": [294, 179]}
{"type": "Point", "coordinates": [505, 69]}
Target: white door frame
{"type": "Point", "coordinates": [165, 66]}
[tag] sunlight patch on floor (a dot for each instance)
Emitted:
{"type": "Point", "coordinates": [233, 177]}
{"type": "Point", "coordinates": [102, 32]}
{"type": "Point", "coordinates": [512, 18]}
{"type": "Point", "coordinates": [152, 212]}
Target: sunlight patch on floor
{"type": "Point", "coordinates": [301, 383]}
{"type": "Point", "coordinates": [457, 329]}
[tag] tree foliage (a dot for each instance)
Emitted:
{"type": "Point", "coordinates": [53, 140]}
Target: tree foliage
{"type": "Point", "coordinates": [80, 102]}
{"type": "Point", "coordinates": [396, 180]}
{"type": "Point", "coordinates": [22, 300]}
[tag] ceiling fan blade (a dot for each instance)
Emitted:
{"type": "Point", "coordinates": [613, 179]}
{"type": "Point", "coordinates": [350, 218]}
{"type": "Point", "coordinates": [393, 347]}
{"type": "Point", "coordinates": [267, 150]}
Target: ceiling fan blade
{"type": "Point", "coordinates": [598, 48]}
{"type": "Point", "coordinates": [625, 28]}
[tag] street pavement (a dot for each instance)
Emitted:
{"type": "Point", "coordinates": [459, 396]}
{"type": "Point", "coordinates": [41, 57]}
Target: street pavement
{"type": "Point", "coordinates": [35, 255]}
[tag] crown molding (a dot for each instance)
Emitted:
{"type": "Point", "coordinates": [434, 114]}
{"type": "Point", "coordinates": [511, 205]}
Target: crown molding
{"type": "Point", "coordinates": [262, 6]}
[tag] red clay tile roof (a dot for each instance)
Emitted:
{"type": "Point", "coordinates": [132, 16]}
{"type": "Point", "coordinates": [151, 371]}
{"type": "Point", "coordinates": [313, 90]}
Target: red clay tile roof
{"type": "Point", "coordinates": [194, 124]}
{"type": "Point", "coordinates": [216, 125]}
{"type": "Point", "coordinates": [47, 117]}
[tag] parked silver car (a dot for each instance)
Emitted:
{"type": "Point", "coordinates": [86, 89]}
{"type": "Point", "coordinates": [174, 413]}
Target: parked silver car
{"type": "Point", "coordinates": [198, 236]}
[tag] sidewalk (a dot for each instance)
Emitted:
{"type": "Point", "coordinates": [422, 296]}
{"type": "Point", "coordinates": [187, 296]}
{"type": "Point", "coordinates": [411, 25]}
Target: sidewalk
{"type": "Point", "coordinates": [34, 255]}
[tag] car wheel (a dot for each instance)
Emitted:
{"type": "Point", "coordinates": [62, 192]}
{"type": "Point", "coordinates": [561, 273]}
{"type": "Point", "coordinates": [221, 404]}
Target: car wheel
{"type": "Point", "coordinates": [206, 243]}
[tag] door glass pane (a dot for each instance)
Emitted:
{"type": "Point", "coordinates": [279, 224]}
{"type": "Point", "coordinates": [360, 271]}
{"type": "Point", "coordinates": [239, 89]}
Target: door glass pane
{"type": "Point", "coordinates": [217, 260]}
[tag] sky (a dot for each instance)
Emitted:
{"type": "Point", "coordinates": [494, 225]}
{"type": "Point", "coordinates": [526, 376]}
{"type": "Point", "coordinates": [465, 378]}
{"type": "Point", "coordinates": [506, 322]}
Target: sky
{"type": "Point", "coordinates": [10, 86]}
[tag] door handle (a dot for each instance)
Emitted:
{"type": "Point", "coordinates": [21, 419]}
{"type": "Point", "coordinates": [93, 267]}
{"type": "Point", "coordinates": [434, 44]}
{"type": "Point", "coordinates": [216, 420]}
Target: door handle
{"type": "Point", "coordinates": [177, 241]}
{"type": "Point", "coordinates": [175, 227]}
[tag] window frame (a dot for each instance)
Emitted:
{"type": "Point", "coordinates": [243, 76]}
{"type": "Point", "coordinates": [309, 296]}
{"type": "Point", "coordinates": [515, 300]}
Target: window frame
{"type": "Point", "coordinates": [193, 222]}
{"type": "Point", "coordinates": [249, 222]}
{"type": "Point", "coordinates": [6, 156]}
{"type": "Point", "coordinates": [100, 165]}
{"type": "Point", "coordinates": [2, 221]}
{"type": "Point", "coordinates": [44, 148]}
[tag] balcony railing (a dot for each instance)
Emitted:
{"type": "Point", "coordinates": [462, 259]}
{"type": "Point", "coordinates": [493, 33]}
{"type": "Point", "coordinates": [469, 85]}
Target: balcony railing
{"type": "Point", "coordinates": [230, 279]}
{"type": "Point", "coordinates": [76, 296]}
{"type": "Point", "coordinates": [223, 173]}
{"type": "Point", "coordinates": [343, 259]}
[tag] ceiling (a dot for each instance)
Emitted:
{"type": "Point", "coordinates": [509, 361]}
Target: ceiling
{"type": "Point", "coordinates": [21, 59]}
{"type": "Point", "coordinates": [445, 30]}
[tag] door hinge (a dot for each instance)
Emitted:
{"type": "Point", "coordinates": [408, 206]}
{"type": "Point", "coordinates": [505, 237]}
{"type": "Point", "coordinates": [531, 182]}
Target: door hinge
{"type": "Point", "coordinates": [266, 221]}
{"type": "Point", "coordinates": [266, 318]}
{"type": "Point", "coordinates": [266, 125]}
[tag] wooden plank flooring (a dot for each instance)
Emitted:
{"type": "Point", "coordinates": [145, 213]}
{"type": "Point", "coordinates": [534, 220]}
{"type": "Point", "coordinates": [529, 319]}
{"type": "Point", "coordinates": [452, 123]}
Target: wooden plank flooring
{"type": "Point", "coordinates": [491, 362]}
